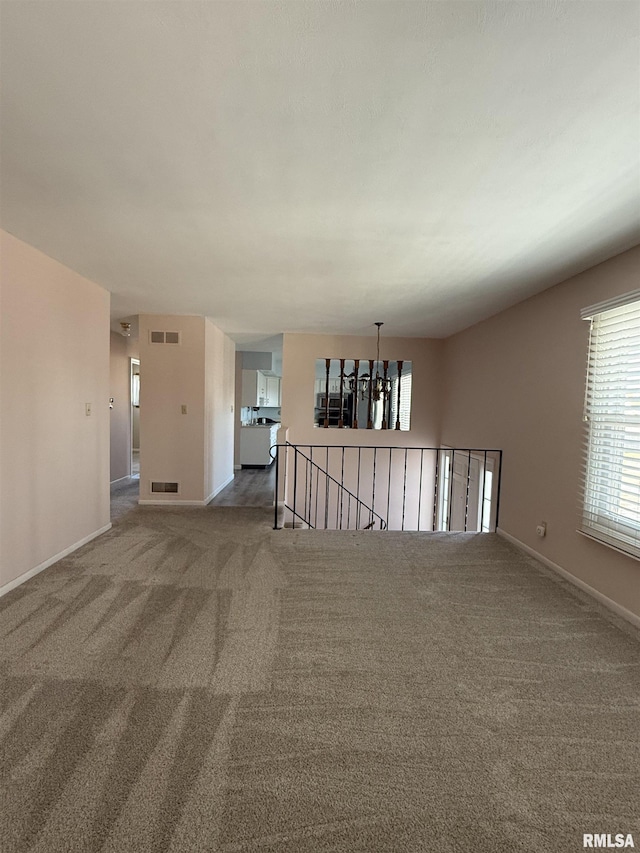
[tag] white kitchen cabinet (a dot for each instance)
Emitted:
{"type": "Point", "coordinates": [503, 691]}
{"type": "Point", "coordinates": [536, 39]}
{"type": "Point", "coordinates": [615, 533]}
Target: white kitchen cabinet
{"type": "Point", "coordinates": [334, 386]}
{"type": "Point", "coordinates": [260, 390]}
{"type": "Point", "coordinates": [273, 391]}
{"type": "Point", "coordinates": [254, 388]}
{"type": "Point", "coordinates": [255, 442]}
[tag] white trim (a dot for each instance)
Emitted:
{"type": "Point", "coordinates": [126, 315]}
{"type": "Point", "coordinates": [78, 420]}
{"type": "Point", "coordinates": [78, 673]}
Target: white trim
{"type": "Point", "coordinates": [171, 503]}
{"type": "Point", "coordinates": [609, 603]}
{"type": "Point", "coordinates": [120, 480]}
{"type": "Point", "coordinates": [32, 572]}
{"type": "Point", "coordinates": [610, 304]}
{"type": "Point", "coordinates": [619, 548]}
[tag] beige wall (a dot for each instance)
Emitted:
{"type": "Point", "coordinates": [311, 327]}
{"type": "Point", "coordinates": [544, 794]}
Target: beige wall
{"type": "Point", "coordinates": [516, 381]}
{"type": "Point", "coordinates": [237, 410]}
{"type": "Point", "coordinates": [220, 355]}
{"type": "Point", "coordinates": [172, 444]}
{"type": "Point", "coordinates": [121, 413]}
{"type": "Point", "coordinates": [54, 359]}
{"type": "Point", "coordinates": [365, 473]}
{"type": "Point", "coordinates": [298, 376]}
{"type": "Point", "coordinates": [196, 449]}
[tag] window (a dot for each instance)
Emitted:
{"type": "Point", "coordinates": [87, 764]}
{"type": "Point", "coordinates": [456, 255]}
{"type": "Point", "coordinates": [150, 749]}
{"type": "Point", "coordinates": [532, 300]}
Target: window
{"type": "Point", "coordinates": [405, 398]}
{"type": "Point", "coordinates": [611, 506]}
{"type": "Point", "coordinates": [362, 393]}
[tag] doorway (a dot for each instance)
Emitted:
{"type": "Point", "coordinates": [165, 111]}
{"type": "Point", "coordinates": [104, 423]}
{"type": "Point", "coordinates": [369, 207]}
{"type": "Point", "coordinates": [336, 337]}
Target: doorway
{"type": "Point", "coordinates": [135, 418]}
{"type": "Point", "coordinates": [465, 494]}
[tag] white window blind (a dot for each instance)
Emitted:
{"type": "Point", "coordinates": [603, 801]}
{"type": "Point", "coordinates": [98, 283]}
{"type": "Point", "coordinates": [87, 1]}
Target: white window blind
{"type": "Point", "coordinates": [611, 506]}
{"type": "Point", "coordinates": [405, 400]}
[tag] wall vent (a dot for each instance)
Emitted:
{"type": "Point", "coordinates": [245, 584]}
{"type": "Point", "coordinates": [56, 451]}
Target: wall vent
{"type": "Point", "coordinates": [165, 488]}
{"type": "Point", "coordinates": [158, 337]}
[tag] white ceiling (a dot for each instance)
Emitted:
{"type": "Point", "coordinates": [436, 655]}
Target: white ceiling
{"type": "Point", "coordinates": [316, 166]}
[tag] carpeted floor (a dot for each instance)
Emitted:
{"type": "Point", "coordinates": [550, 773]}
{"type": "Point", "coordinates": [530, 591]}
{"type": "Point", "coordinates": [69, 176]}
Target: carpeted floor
{"type": "Point", "coordinates": [195, 681]}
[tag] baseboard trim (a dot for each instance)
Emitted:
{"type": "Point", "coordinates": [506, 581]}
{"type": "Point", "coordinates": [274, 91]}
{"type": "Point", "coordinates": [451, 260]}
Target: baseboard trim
{"type": "Point", "coordinates": [607, 602]}
{"type": "Point", "coordinates": [171, 503]}
{"type": "Point", "coordinates": [40, 568]}
{"type": "Point", "coordinates": [120, 480]}
{"type": "Point", "coordinates": [237, 467]}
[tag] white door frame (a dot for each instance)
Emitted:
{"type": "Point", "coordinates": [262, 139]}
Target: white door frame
{"type": "Point", "coordinates": [133, 362]}
{"type": "Point", "coordinates": [484, 519]}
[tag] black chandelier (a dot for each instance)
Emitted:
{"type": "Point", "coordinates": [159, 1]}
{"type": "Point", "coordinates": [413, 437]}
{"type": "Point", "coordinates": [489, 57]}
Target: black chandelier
{"type": "Point", "coordinates": [380, 385]}
{"type": "Point", "coordinates": [372, 387]}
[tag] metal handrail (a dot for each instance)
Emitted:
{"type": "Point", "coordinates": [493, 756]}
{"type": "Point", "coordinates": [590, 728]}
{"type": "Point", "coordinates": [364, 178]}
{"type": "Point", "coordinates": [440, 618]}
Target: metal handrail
{"type": "Point", "coordinates": [369, 510]}
{"type": "Point", "coordinates": [386, 447]}
{"type": "Point", "coordinates": [412, 503]}
{"type": "Point", "coordinates": [341, 486]}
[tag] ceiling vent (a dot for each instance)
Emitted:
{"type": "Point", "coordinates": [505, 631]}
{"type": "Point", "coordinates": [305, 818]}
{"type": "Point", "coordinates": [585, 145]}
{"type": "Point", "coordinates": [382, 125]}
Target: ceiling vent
{"type": "Point", "coordinates": [156, 337]}
{"type": "Point", "coordinates": [165, 488]}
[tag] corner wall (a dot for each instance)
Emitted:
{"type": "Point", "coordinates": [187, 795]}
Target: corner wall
{"type": "Point", "coordinates": [220, 373]}
{"type": "Point", "coordinates": [193, 449]}
{"type": "Point", "coordinates": [516, 381]}
{"type": "Point", "coordinates": [172, 375]}
{"type": "Point", "coordinates": [237, 409]}
{"type": "Point", "coordinates": [54, 459]}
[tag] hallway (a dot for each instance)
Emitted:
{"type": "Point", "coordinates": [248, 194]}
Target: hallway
{"type": "Point", "coordinates": [250, 487]}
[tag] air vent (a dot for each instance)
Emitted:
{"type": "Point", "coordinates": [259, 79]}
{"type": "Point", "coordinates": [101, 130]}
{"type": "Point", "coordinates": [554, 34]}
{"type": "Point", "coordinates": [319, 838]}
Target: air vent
{"type": "Point", "coordinates": [157, 337]}
{"type": "Point", "coordinates": [164, 488]}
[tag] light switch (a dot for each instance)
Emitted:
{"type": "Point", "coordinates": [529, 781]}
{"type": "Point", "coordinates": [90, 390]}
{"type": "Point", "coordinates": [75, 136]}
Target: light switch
{"type": "Point", "coordinates": [184, 409]}
{"type": "Point", "coordinates": [87, 409]}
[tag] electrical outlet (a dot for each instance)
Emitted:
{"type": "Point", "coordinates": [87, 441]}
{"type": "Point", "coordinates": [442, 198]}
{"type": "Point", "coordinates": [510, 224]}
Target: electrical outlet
{"type": "Point", "coordinates": [541, 529]}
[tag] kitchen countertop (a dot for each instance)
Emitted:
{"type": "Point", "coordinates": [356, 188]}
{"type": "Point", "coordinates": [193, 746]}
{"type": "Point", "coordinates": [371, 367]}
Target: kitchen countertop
{"type": "Point", "coordinates": [259, 426]}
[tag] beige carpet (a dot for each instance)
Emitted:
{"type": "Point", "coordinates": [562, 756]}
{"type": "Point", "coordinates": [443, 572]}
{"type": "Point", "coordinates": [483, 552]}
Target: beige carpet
{"type": "Point", "coordinates": [194, 681]}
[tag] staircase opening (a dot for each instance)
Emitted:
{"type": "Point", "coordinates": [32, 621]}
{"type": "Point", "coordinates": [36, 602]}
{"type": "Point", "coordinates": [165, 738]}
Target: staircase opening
{"type": "Point", "coordinates": [340, 487]}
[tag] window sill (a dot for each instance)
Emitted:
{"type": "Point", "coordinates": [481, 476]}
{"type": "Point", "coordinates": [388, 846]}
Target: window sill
{"type": "Point", "coordinates": [619, 548]}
